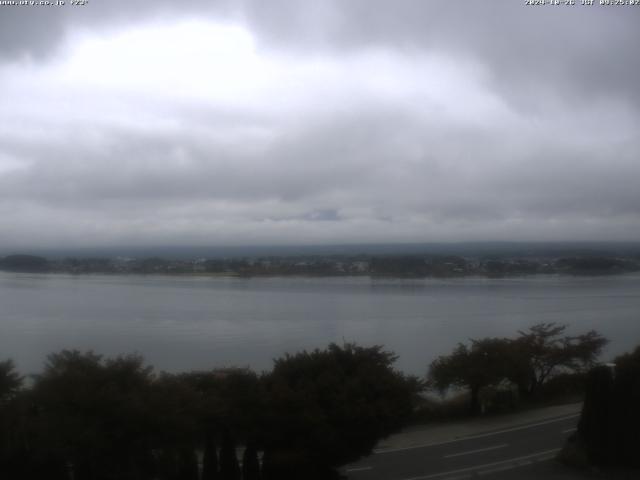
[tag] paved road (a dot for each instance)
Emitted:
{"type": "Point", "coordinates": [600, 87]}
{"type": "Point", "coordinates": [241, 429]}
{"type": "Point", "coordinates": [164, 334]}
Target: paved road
{"type": "Point", "coordinates": [490, 454]}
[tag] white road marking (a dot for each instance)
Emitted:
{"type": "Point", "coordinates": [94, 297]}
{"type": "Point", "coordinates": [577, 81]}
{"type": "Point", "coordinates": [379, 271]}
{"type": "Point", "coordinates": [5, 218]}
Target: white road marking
{"type": "Point", "coordinates": [481, 435]}
{"type": "Point", "coordinates": [495, 447]}
{"type": "Point", "coordinates": [513, 461]}
{"type": "Point", "coordinates": [359, 469]}
{"type": "Point", "coordinates": [569, 430]}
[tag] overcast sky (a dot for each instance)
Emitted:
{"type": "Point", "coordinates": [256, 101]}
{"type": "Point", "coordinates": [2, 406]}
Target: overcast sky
{"type": "Point", "coordinates": [321, 121]}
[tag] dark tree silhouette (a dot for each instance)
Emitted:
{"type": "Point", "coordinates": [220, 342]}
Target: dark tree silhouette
{"type": "Point", "coordinates": [250, 463]}
{"type": "Point", "coordinates": [546, 351]}
{"type": "Point", "coordinates": [529, 361]}
{"type": "Point", "coordinates": [168, 467]}
{"type": "Point", "coordinates": [187, 464]}
{"type": "Point", "coordinates": [626, 410]}
{"type": "Point", "coordinates": [95, 418]}
{"type": "Point", "coordinates": [210, 458]}
{"type": "Point", "coordinates": [609, 428]}
{"type": "Point", "coordinates": [229, 399]}
{"type": "Point", "coordinates": [484, 362]}
{"type": "Point", "coordinates": [329, 407]}
{"type": "Point", "coordinates": [229, 467]}
{"type": "Point", "coordinates": [12, 451]}
{"type": "Point", "coordinates": [10, 381]}
{"type": "Point", "coordinates": [595, 421]}
{"type": "Point", "coordinates": [93, 413]}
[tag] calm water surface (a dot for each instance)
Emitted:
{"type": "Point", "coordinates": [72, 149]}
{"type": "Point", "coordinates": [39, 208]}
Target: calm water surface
{"type": "Point", "coordinates": [182, 323]}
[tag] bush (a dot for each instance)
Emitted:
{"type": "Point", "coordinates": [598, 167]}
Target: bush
{"type": "Point", "coordinates": [609, 426]}
{"type": "Point", "coordinates": [330, 407]}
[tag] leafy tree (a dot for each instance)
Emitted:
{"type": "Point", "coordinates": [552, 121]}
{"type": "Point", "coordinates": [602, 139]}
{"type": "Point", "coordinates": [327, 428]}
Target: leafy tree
{"type": "Point", "coordinates": [10, 451]}
{"type": "Point", "coordinates": [544, 350]}
{"type": "Point", "coordinates": [250, 463]}
{"type": "Point", "coordinates": [484, 362]}
{"type": "Point", "coordinates": [210, 459]}
{"type": "Point", "coordinates": [595, 421]}
{"type": "Point", "coordinates": [609, 427]}
{"type": "Point", "coordinates": [93, 413]}
{"type": "Point", "coordinates": [228, 403]}
{"type": "Point", "coordinates": [626, 411]}
{"type": "Point", "coordinates": [529, 361]}
{"type": "Point", "coordinates": [229, 400]}
{"type": "Point", "coordinates": [10, 381]}
{"type": "Point", "coordinates": [329, 407]}
{"type": "Point", "coordinates": [96, 418]}
{"type": "Point", "coordinates": [229, 467]}
{"type": "Point", "coordinates": [168, 465]}
{"type": "Point", "coordinates": [174, 405]}
{"type": "Point", "coordinates": [187, 464]}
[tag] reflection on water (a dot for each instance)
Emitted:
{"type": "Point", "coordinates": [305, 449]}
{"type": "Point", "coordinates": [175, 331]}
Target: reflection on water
{"type": "Point", "coordinates": [197, 322]}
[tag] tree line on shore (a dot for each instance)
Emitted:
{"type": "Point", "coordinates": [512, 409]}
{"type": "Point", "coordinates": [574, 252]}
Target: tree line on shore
{"type": "Point", "coordinates": [87, 417]}
{"type": "Point", "coordinates": [395, 266]}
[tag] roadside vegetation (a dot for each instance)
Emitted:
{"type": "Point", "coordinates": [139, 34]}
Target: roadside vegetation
{"type": "Point", "coordinates": [608, 434]}
{"type": "Point", "coordinates": [498, 374]}
{"type": "Point", "coordinates": [87, 417]}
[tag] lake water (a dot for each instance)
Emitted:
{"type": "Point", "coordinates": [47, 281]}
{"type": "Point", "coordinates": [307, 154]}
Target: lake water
{"type": "Point", "coordinates": [183, 323]}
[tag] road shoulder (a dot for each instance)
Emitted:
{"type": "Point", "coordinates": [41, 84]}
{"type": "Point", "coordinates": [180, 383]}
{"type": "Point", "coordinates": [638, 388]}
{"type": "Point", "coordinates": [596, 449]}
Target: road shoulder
{"type": "Point", "coordinates": [422, 435]}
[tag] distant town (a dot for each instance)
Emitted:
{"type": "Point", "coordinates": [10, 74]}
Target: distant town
{"type": "Point", "coordinates": [396, 266]}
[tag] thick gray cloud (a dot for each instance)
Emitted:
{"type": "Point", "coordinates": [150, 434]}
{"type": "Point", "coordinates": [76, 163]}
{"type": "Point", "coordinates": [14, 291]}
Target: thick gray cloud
{"type": "Point", "coordinates": [37, 31]}
{"type": "Point", "coordinates": [580, 48]}
{"type": "Point", "coordinates": [329, 121]}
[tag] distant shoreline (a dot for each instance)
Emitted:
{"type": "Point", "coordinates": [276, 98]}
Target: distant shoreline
{"type": "Point", "coordinates": [381, 266]}
{"type": "Point", "coordinates": [232, 275]}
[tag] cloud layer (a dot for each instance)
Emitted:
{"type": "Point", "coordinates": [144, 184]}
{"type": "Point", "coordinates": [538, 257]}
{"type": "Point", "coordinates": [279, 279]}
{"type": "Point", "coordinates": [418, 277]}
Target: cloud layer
{"type": "Point", "coordinates": [281, 122]}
